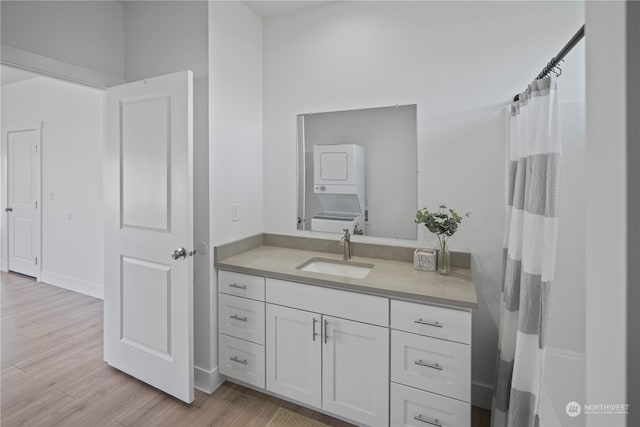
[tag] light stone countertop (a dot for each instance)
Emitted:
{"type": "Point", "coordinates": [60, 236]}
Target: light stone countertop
{"type": "Point", "coordinates": [394, 279]}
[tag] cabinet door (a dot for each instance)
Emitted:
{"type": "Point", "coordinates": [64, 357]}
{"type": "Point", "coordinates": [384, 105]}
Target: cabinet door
{"type": "Point", "coordinates": [294, 354]}
{"type": "Point", "coordinates": [355, 378]}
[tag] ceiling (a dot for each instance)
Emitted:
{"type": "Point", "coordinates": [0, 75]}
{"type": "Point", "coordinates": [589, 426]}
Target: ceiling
{"type": "Point", "coordinates": [11, 75]}
{"type": "Point", "coordinates": [270, 9]}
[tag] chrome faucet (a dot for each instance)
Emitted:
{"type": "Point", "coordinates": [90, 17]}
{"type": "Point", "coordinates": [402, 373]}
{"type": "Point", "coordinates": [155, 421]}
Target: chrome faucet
{"type": "Point", "coordinates": [345, 241]}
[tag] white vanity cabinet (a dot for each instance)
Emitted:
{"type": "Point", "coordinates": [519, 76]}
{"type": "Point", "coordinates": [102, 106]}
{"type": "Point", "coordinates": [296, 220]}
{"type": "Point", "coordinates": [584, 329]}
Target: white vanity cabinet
{"type": "Point", "coordinates": [241, 327]}
{"type": "Point", "coordinates": [370, 359]}
{"type": "Point", "coordinates": [430, 365]}
{"type": "Point", "coordinates": [334, 363]}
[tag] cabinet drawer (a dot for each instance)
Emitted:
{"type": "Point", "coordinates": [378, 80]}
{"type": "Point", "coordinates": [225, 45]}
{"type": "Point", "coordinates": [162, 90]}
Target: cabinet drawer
{"type": "Point", "coordinates": [417, 408]}
{"type": "Point", "coordinates": [241, 318]}
{"type": "Point", "coordinates": [334, 302]}
{"type": "Point", "coordinates": [439, 366]}
{"type": "Point", "coordinates": [242, 360]}
{"type": "Point", "coordinates": [242, 285]}
{"type": "Point", "coordinates": [439, 322]}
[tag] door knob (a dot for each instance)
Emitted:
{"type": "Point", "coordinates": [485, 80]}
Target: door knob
{"type": "Point", "coordinates": [8, 209]}
{"type": "Point", "coordinates": [180, 253]}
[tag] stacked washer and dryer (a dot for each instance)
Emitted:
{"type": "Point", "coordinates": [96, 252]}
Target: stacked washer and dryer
{"type": "Point", "coordinates": [339, 182]}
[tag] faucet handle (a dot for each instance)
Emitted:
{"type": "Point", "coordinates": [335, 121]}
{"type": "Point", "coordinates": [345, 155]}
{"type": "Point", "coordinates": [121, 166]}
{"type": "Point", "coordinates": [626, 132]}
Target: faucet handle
{"type": "Point", "coordinates": [346, 231]}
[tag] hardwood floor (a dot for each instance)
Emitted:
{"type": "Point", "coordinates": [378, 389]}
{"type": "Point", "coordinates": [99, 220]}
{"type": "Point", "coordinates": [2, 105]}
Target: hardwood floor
{"type": "Point", "coordinates": [52, 373]}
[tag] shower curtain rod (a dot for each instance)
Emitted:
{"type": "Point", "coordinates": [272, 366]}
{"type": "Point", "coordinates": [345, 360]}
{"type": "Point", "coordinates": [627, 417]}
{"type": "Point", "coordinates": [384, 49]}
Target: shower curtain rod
{"type": "Point", "coordinates": [559, 57]}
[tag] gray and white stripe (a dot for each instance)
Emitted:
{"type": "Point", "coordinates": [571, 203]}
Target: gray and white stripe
{"type": "Point", "coordinates": [529, 253]}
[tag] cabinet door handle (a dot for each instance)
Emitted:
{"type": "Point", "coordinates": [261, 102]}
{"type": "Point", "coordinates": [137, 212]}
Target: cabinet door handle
{"type": "Point", "coordinates": [428, 365]}
{"type": "Point", "coordinates": [424, 322]}
{"type": "Point", "coordinates": [235, 285]}
{"type": "Point", "coordinates": [237, 360]}
{"type": "Point", "coordinates": [326, 333]}
{"type": "Point", "coordinates": [433, 422]}
{"type": "Point", "coordinates": [236, 317]}
{"type": "Point", "coordinates": [315, 334]}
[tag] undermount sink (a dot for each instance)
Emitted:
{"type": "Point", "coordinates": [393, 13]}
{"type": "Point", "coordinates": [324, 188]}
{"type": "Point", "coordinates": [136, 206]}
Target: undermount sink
{"type": "Point", "coordinates": [355, 270]}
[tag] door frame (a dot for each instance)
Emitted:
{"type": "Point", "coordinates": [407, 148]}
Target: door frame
{"type": "Point", "coordinates": [36, 126]}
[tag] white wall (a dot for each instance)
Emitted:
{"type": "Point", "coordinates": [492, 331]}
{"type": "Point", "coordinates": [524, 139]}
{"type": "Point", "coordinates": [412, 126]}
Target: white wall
{"type": "Point", "coordinates": [72, 230]}
{"type": "Point", "coordinates": [633, 178]}
{"type": "Point", "coordinates": [436, 55]}
{"type": "Point", "coordinates": [235, 120]}
{"type": "Point", "coordinates": [163, 37]}
{"type": "Point", "coordinates": [87, 34]}
{"type": "Point", "coordinates": [606, 242]}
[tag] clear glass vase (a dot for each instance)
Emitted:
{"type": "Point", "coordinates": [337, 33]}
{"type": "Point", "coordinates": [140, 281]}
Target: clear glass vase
{"type": "Point", "coordinates": [444, 259]}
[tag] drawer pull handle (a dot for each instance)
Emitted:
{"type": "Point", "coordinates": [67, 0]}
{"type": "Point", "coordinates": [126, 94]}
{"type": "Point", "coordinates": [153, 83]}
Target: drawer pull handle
{"type": "Point", "coordinates": [428, 365]}
{"type": "Point", "coordinates": [433, 422]}
{"type": "Point", "coordinates": [235, 285]}
{"type": "Point", "coordinates": [240, 361]}
{"type": "Point", "coordinates": [236, 317]}
{"type": "Point", "coordinates": [315, 334]}
{"type": "Point", "coordinates": [424, 322]}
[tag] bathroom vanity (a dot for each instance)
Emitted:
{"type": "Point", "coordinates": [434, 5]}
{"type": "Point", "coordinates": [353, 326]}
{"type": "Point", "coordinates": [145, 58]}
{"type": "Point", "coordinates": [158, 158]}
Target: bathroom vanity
{"type": "Point", "coordinates": [390, 348]}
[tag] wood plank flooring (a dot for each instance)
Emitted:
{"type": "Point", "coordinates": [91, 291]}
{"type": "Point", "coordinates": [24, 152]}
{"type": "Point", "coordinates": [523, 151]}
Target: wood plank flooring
{"type": "Point", "coordinates": [52, 373]}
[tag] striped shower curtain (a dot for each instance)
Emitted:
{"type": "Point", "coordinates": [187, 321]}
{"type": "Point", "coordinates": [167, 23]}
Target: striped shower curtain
{"type": "Point", "coordinates": [529, 253]}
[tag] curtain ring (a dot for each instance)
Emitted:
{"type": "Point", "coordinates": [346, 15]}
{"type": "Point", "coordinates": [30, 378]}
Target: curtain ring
{"type": "Point", "coordinates": [557, 70]}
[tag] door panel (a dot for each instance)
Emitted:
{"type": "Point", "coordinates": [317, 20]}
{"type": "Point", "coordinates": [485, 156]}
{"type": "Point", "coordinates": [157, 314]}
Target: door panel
{"type": "Point", "coordinates": [20, 149]}
{"type": "Point", "coordinates": [23, 196]}
{"type": "Point", "coordinates": [294, 354]}
{"type": "Point", "coordinates": [355, 374]}
{"type": "Point", "coordinates": [148, 188]}
{"type": "Point", "coordinates": [146, 162]}
{"type": "Point", "coordinates": [22, 243]}
{"type": "Point", "coordinates": [146, 284]}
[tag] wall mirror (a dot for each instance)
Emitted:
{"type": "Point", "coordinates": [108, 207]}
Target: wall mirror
{"type": "Point", "coordinates": [357, 170]}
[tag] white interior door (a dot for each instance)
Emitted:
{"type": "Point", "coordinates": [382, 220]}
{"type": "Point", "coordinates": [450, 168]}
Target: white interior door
{"type": "Point", "coordinates": [23, 200]}
{"type": "Point", "coordinates": [148, 295]}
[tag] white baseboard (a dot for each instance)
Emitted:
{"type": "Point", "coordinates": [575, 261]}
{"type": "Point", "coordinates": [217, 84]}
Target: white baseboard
{"type": "Point", "coordinates": [207, 380]}
{"type": "Point", "coordinates": [66, 282]}
{"type": "Point", "coordinates": [481, 395]}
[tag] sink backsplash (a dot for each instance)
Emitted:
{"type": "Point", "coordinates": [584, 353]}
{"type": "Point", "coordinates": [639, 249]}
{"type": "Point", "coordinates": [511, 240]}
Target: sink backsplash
{"type": "Point", "coordinates": [359, 249]}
